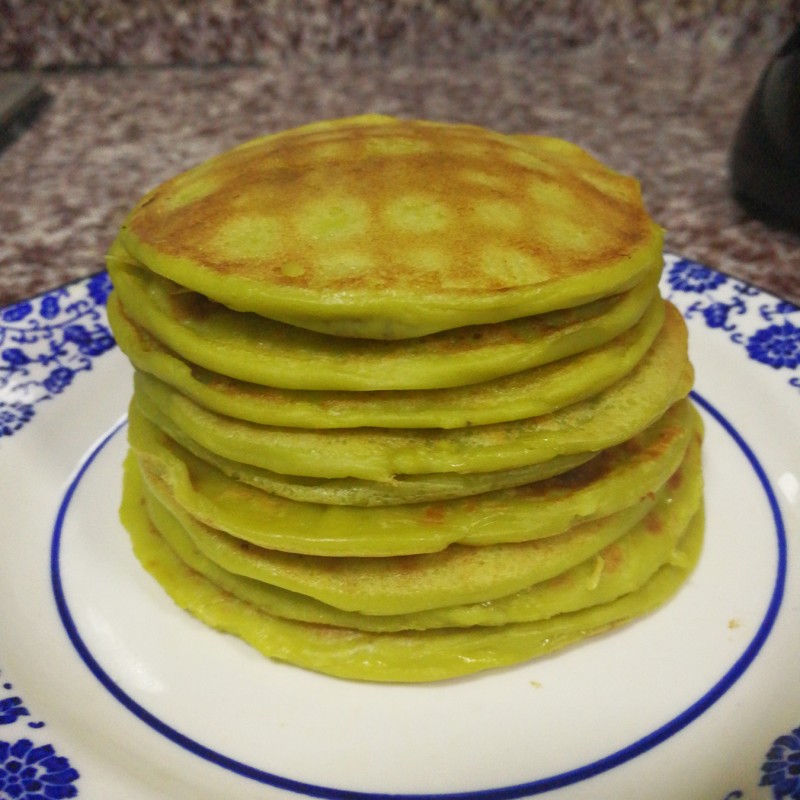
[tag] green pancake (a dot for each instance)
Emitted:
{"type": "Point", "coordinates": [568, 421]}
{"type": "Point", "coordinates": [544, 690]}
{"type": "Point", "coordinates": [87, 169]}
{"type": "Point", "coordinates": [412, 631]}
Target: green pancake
{"type": "Point", "coordinates": [533, 392]}
{"type": "Point", "coordinates": [388, 229]}
{"type": "Point", "coordinates": [622, 567]}
{"type": "Point", "coordinates": [403, 584]}
{"type": "Point", "coordinates": [403, 656]}
{"type": "Point", "coordinates": [398, 490]}
{"type": "Point", "coordinates": [661, 378]}
{"type": "Point", "coordinates": [615, 479]}
{"type": "Point", "coordinates": [261, 351]}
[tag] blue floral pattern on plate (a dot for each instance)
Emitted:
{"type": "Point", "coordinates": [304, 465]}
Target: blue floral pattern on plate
{"type": "Point", "coordinates": [46, 342]}
{"type": "Point", "coordinates": [29, 771]}
{"type": "Point", "coordinates": [767, 328]}
{"type": "Point", "coordinates": [781, 770]}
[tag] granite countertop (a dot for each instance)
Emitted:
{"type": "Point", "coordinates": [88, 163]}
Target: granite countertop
{"type": "Point", "coordinates": [665, 112]}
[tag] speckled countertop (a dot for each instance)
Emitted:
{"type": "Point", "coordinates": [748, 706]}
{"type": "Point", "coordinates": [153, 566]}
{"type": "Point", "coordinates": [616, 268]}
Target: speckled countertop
{"type": "Point", "coordinates": [663, 108]}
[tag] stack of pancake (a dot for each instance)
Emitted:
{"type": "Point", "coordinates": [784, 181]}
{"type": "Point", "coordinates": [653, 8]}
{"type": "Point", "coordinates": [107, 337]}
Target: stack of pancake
{"type": "Point", "coordinates": [408, 403]}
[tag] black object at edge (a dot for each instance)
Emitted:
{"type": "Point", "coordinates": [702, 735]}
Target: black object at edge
{"type": "Point", "coordinates": [765, 157]}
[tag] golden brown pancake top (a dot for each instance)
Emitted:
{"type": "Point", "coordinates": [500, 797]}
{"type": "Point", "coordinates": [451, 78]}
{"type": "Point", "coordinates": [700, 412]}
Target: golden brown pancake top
{"type": "Point", "coordinates": [391, 212]}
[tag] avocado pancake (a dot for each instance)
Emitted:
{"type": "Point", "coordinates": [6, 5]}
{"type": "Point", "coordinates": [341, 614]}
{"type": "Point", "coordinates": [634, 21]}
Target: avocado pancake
{"type": "Point", "coordinates": [453, 576]}
{"type": "Point", "coordinates": [354, 491]}
{"type": "Point", "coordinates": [405, 655]}
{"type": "Point", "coordinates": [616, 478]}
{"type": "Point", "coordinates": [404, 584]}
{"type": "Point", "coordinates": [615, 569]}
{"type": "Point", "coordinates": [407, 402]}
{"type": "Point", "coordinates": [662, 377]}
{"type": "Point", "coordinates": [251, 348]}
{"type": "Point", "coordinates": [529, 393]}
{"type": "Point", "coordinates": [382, 228]}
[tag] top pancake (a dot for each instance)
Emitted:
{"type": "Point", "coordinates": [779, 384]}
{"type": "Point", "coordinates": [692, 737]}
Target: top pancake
{"type": "Point", "coordinates": [379, 228]}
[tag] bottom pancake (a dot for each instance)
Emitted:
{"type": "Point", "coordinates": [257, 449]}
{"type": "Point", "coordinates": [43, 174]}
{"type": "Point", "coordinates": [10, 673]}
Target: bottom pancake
{"type": "Point", "coordinates": [394, 656]}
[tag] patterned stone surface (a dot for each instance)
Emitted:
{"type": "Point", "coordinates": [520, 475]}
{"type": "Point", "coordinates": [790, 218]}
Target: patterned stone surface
{"type": "Point", "coordinates": [112, 32]}
{"type": "Point", "coordinates": [664, 109]}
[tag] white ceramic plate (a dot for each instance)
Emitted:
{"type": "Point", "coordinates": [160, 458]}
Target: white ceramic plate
{"type": "Point", "coordinates": [109, 692]}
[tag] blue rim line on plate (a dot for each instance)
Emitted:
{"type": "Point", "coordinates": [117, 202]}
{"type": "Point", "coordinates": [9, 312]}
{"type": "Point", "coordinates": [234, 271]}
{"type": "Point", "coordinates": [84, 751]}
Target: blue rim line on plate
{"type": "Point", "coordinates": [535, 787]}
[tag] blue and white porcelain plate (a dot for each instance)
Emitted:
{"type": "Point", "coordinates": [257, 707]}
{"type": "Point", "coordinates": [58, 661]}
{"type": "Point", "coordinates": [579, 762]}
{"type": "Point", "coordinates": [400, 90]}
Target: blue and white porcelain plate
{"type": "Point", "coordinates": [109, 691]}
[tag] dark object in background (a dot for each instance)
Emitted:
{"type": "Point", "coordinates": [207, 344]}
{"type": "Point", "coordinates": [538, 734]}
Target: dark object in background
{"type": "Point", "coordinates": [21, 98]}
{"type": "Point", "coordinates": [765, 159]}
